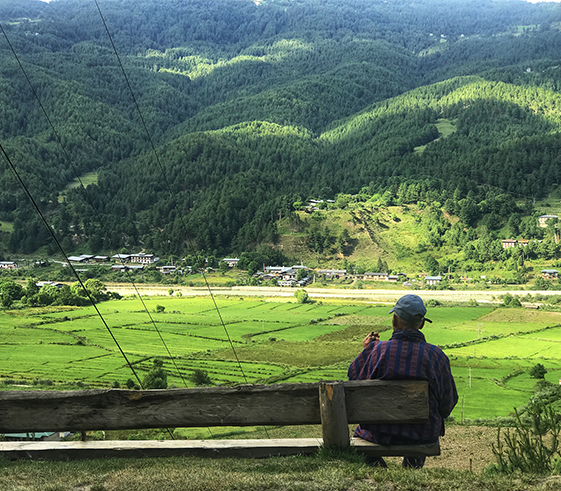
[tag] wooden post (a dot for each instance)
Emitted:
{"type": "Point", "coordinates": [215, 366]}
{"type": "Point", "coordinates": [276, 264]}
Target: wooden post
{"type": "Point", "coordinates": [333, 412]}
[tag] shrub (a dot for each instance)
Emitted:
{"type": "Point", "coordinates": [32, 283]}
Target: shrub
{"type": "Point", "coordinates": [533, 444]}
{"type": "Point", "coordinates": [510, 301]}
{"type": "Point", "coordinates": [301, 296]}
{"type": "Point", "coordinates": [157, 378]}
{"type": "Point", "coordinates": [200, 378]}
{"type": "Point", "coordinates": [538, 371]}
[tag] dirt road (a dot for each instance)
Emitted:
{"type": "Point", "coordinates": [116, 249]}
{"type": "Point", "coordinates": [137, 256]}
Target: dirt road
{"type": "Point", "coordinates": [384, 296]}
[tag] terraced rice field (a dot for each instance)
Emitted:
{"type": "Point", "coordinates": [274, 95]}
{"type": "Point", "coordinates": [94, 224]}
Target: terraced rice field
{"type": "Point", "coordinates": [265, 341]}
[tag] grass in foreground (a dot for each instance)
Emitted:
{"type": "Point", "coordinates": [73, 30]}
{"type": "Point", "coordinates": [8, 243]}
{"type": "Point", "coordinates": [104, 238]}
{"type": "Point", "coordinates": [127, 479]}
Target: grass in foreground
{"type": "Point", "coordinates": [325, 471]}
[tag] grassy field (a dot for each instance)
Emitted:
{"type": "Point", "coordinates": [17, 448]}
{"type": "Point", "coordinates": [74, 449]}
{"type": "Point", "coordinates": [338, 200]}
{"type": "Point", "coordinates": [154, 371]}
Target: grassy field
{"type": "Point", "coordinates": [491, 349]}
{"type": "Point", "coordinates": [317, 473]}
{"type": "Point", "coordinates": [86, 180]}
{"type": "Point", "coordinates": [6, 226]}
{"type": "Point", "coordinates": [445, 127]}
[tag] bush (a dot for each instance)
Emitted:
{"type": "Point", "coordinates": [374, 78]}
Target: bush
{"type": "Point", "coordinates": [301, 296]}
{"type": "Point", "coordinates": [538, 371]}
{"type": "Point", "coordinates": [533, 444]}
{"type": "Point", "coordinates": [510, 301]}
{"type": "Point", "coordinates": [157, 378]}
{"type": "Point", "coordinates": [200, 378]}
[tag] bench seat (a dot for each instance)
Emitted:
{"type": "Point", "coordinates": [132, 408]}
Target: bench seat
{"type": "Point", "coordinates": [106, 449]}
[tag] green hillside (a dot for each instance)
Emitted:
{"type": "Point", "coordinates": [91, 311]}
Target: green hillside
{"type": "Point", "coordinates": [247, 108]}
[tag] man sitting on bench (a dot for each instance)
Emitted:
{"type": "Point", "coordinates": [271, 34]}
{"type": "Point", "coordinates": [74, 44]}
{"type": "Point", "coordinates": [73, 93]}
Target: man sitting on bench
{"type": "Point", "coordinates": [407, 356]}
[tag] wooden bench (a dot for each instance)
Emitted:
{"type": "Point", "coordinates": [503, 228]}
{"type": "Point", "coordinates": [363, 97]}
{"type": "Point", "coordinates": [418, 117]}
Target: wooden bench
{"type": "Point", "coordinates": [334, 405]}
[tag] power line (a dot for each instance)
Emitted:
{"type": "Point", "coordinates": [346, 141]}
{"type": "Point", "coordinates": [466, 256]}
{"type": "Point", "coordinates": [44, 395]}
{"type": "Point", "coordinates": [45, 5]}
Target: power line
{"type": "Point", "coordinates": [54, 237]}
{"type": "Point", "coordinates": [69, 160]}
{"type": "Point", "coordinates": [164, 176]}
{"type": "Point", "coordinates": [168, 187]}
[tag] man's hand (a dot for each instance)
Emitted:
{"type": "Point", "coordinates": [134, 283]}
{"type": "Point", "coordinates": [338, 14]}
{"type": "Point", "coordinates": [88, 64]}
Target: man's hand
{"type": "Point", "coordinates": [372, 337]}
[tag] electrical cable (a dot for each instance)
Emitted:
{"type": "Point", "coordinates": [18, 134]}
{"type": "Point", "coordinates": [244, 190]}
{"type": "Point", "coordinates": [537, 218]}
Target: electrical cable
{"type": "Point", "coordinates": [54, 237]}
{"type": "Point", "coordinates": [69, 160]}
{"type": "Point", "coordinates": [14, 170]}
{"type": "Point", "coordinates": [168, 187]}
{"type": "Point", "coordinates": [164, 177]}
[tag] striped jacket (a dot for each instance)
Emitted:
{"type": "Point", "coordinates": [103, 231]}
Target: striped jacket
{"type": "Point", "coordinates": [407, 355]}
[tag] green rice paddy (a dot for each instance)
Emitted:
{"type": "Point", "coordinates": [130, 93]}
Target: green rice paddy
{"type": "Point", "coordinates": [263, 341]}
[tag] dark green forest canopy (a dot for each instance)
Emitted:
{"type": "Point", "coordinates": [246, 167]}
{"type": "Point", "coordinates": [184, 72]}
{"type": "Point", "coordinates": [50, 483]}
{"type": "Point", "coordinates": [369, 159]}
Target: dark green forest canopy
{"type": "Point", "coordinates": [254, 105]}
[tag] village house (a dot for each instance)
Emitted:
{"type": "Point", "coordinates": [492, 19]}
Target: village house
{"type": "Point", "coordinates": [77, 259]}
{"type": "Point", "coordinates": [144, 258]}
{"type": "Point", "coordinates": [51, 283]}
{"type": "Point", "coordinates": [433, 280]}
{"type": "Point", "coordinates": [276, 270]}
{"type": "Point", "coordinates": [167, 269]}
{"type": "Point", "coordinates": [509, 243]}
{"type": "Point", "coordinates": [289, 274]}
{"type": "Point", "coordinates": [127, 267]}
{"type": "Point", "coordinates": [123, 258]}
{"type": "Point", "coordinates": [231, 261]}
{"type": "Point", "coordinates": [550, 274]}
{"type": "Point", "coordinates": [375, 276]}
{"type": "Point", "coordinates": [339, 274]}
{"type": "Point", "coordinates": [8, 265]}
{"type": "Point", "coordinates": [542, 220]}
{"type": "Point", "coordinates": [286, 283]}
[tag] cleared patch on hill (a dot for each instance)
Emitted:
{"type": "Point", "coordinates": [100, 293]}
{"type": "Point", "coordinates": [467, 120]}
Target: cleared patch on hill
{"type": "Point", "coordinates": [85, 180]}
{"type": "Point", "coordinates": [6, 227]}
{"type": "Point", "coordinates": [445, 128]}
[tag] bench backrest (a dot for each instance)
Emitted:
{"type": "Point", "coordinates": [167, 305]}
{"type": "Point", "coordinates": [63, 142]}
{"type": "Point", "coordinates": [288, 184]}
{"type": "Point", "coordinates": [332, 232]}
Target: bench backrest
{"type": "Point", "coordinates": [372, 401]}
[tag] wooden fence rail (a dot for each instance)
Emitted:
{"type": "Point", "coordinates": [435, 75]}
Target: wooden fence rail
{"type": "Point", "coordinates": [334, 405]}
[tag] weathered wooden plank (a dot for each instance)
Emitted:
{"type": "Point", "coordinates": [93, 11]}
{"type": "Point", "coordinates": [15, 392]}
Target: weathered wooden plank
{"type": "Point", "coordinates": [162, 448]}
{"type": "Point", "coordinates": [414, 450]}
{"type": "Point", "coordinates": [195, 448]}
{"type": "Point", "coordinates": [333, 411]}
{"type": "Point", "coordinates": [113, 409]}
{"type": "Point", "coordinates": [384, 401]}
{"type": "Point", "coordinates": [282, 404]}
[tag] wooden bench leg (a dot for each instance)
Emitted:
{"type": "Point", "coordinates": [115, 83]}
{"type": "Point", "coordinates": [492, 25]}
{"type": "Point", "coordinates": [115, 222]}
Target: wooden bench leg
{"type": "Point", "coordinates": [333, 412]}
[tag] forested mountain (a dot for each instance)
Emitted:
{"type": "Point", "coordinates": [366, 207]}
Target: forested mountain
{"type": "Point", "coordinates": [247, 107]}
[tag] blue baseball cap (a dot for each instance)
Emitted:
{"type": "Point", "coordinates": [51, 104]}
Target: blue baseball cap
{"type": "Point", "coordinates": [409, 306]}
